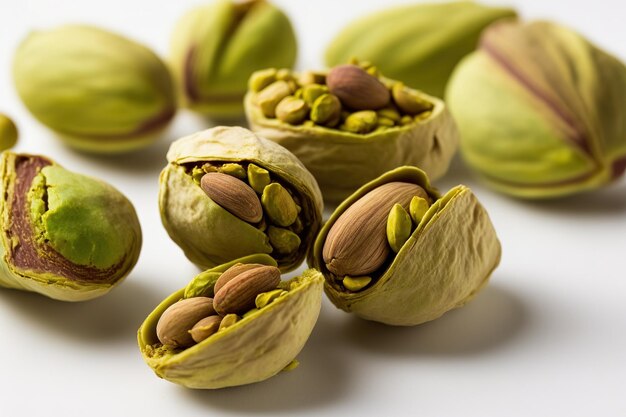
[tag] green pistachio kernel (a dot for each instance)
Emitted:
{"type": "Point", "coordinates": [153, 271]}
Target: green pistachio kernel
{"type": "Point", "coordinates": [363, 121]}
{"type": "Point", "coordinates": [292, 110]}
{"type": "Point", "coordinates": [196, 174]}
{"type": "Point", "coordinates": [261, 79]}
{"type": "Point", "coordinates": [409, 100]}
{"type": "Point", "coordinates": [297, 226]}
{"type": "Point", "coordinates": [356, 283]}
{"type": "Point", "coordinates": [270, 96]}
{"type": "Point", "coordinates": [291, 366]}
{"type": "Point", "coordinates": [385, 122]}
{"type": "Point", "coordinates": [417, 209]}
{"type": "Point", "coordinates": [282, 240]}
{"type": "Point", "coordinates": [234, 170]}
{"type": "Point", "coordinates": [284, 74]}
{"type": "Point", "coordinates": [311, 92]}
{"type": "Point", "coordinates": [258, 178]}
{"type": "Point", "coordinates": [202, 284]}
{"type": "Point", "coordinates": [326, 110]}
{"type": "Point", "coordinates": [389, 113]}
{"type": "Point", "coordinates": [398, 227]}
{"type": "Point", "coordinates": [406, 120]}
{"type": "Point", "coordinates": [266, 298]}
{"type": "Point", "coordinates": [228, 321]}
{"type": "Point", "coordinates": [278, 205]}
{"type": "Point", "coordinates": [250, 312]}
{"type": "Point", "coordinates": [8, 133]}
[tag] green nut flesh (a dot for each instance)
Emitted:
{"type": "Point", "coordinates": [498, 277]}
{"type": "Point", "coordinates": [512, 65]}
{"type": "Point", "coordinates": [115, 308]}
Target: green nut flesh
{"type": "Point", "coordinates": [64, 235]}
{"type": "Point", "coordinates": [216, 47]}
{"type": "Point", "coordinates": [208, 234]}
{"type": "Point", "coordinates": [418, 44]}
{"type": "Point", "coordinates": [446, 260]}
{"type": "Point", "coordinates": [117, 96]}
{"type": "Point", "coordinates": [258, 346]}
{"type": "Point", "coordinates": [541, 111]}
{"type": "Point", "coordinates": [8, 133]}
{"type": "Point", "coordinates": [398, 227]}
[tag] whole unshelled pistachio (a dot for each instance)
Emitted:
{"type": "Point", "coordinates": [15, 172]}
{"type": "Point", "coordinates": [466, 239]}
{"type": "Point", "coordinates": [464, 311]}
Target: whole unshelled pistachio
{"type": "Point", "coordinates": [541, 111]}
{"type": "Point", "coordinates": [64, 235]}
{"type": "Point", "coordinates": [216, 47]}
{"type": "Point", "coordinates": [99, 91]}
{"type": "Point", "coordinates": [8, 133]}
{"type": "Point", "coordinates": [418, 44]}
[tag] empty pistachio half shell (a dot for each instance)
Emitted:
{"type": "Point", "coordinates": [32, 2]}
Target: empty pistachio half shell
{"type": "Point", "coordinates": [541, 111]}
{"type": "Point", "coordinates": [234, 324]}
{"type": "Point", "coordinates": [228, 193]}
{"type": "Point", "coordinates": [350, 125]}
{"type": "Point", "coordinates": [399, 253]}
{"type": "Point", "coordinates": [64, 235]}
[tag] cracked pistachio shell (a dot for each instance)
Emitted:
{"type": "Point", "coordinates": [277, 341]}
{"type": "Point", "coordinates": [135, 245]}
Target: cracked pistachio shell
{"type": "Point", "coordinates": [64, 235]}
{"type": "Point", "coordinates": [418, 44]}
{"type": "Point", "coordinates": [100, 92]}
{"type": "Point", "coordinates": [255, 348]}
{"type": "Point", "coordinates": [216, 47]}
{"type": "Point", "coordinates": [342, 161]}
{"type": "Point", "coordinates": [208, 234]}
{"type": "Point", "coordinates": [447, 259]}
{"type": "Point", "coordinates": [541, 111]}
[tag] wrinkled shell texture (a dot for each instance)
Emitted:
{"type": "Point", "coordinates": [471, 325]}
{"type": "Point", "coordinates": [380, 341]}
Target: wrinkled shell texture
{"type": "Point", "coordinates": [255, 348]}
{"type": "Point", "coordinates": [188, 214]}
{"type": "Point", "coordinates": [444, 263]}
{"type": "Point", "coordinates": [343, 161]}
{"type": "Point", "coordinates": [541, 111]}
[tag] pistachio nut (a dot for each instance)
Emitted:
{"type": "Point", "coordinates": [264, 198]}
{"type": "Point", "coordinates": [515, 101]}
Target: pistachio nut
{"type": "Point", "coordinates": [216, 47]}
{"type": "Point", "coordinates": [540, 109]}
{"type": "Point", "coordinates": [292, 110]}
{"type": "Point", "coordinates": [117, 96]}
{"type": "Point", "coordinates": [447, 258]}
{"type": "Point", "coordinates": [360, 125]}
{"type": "Point", "coordinates": [64, 235]}
{"type": "Point", "coordinates": [8, 133]}
{"type": "Point", "coordinates": [227, 219]}
{"type": "Point", "coordinates": [231, 349]}
{"type": "Point", "coordinates": [418, 44]}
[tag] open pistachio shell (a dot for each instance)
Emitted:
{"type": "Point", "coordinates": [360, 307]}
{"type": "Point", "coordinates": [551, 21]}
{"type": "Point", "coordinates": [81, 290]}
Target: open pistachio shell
{"type": "Point", "coordinates": [342, 161]}
{"type": "Point", "coordinates": [209, 234]}
{"type": "Point", "coordinates": [541, 111]}
{"type": "Point", "coordinates": [254, 348]}
{"type": "Point", "coordinates": [64, 235]}
{"type": "Point", "coordinates": [447, 259]}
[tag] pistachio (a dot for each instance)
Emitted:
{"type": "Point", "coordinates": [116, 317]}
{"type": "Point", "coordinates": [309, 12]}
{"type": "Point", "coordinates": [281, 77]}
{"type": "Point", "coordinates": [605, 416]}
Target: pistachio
{"type": "Point", "coordinates": [311, 92]}
{"type": "Point", "coordinates": [355, 284]}
{"type": "Point", "coordinates": [250, 312]}
{"type": "Point", "coordinates": [8, 133]}
{"type": "Point", "coordinates": [238, 295]}
{"type": "Point", "coordinates": [175, 322]}
{"type": "Point", "coordinates": [409, 100]}
{"type": "Point", "coordinates": [234, 170]}
{"type": "Point", "coordinates": [202, 285]}
{"type": "Point", "coordinates": [364, 121]}
{"type": "Point", "coordinates": [398, 227]}
{"type": "Point", "coordinates": [233, 195]}
{"type": "Point", "coordinates": [312, 77]}
{"type": "Point", "coordinates": [271, 95]}
{"type": "Point", "coordinates": [283, 241]}
{"type": "Point", "coordinates": [418, 208]}
{"type": "Point", "coordinates": [227, 321]}
{"type": "Point", "coordinates": [258, 178]}
{"type": "Point", "coordinates": [233, 272]}
{"type": "Point", "coordinates": [261, 79]}
{"type": "Point", "coordinates": [265, 298]}
{"type": "Point", "coordinates": [406, 120]}
{"type": "Point", "coordinates": [205, 328]}
{"type": "Point", "coordinates": [292, 110]}
{"type": "Point", "coordinates": [356, 88]}
{"type": "Point", "coordinates": [385, 122]}
{"type": "Point", "coordinates": [357, 243]}
{"type": "Point", "coordinates": [389, 113]}
{"type": "Point", "coordinates": [279, 205]}
{"type": "Point", "coordinates": [326, 110]}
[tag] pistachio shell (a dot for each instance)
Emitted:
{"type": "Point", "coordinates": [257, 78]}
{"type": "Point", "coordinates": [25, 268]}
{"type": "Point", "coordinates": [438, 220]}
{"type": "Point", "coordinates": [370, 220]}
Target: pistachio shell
{"type": "Point", "coordinates": [64, 235]}
{"type": "Point", "coordinates": [447, 259]}
{"type": "Point", "coordinates": [256, 347]}
{"type": "Point", "coordinates": [418, 44]}
{"type": "Point", "coordinates": [188, 214]}
{"type": "Point", "coordinates": [116, 97]}
{"type": "Point", "coordinates": [215, 48]}
{"type": "Point", "coordinates": [551, 116]}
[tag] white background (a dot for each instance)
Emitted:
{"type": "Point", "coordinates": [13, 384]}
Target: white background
{"type": "Point", "coordinates": [547, 337]}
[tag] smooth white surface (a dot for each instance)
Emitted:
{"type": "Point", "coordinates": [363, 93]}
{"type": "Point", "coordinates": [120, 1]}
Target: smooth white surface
{"type": "Point", "coordinates": [547, 337]}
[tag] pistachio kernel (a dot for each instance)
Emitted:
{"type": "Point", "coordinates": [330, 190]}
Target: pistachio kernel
{"type": "Point", "coordinates": [266, 298]}
{"type": "Point", "coordinates": [205, 328]}
{"type": "Point", "coordinates": [406, 120]}
{"type": "Point", "coordinates": [258, 178]}
{"type": "Point", "coordinates": [270, 96]}
{"type": "Point", "coordinates": [292, 110]}
{"type": "Point", "coordinates": [234, 170]}
{"type": "Point", "coordinates": [363, 121]}
{"type": "Point", "coordinates": [250, 312]}
{"type": "Point", "coordinates": [228, 320]}
{"type": "Point", "coordinates": [389, 113]}
{"type": "Point", "coordinates": [409, 100]}
{"type": "Point", "coordinates": [355, 284]}
{"type": "Point", "coordinates": [385, 122]}
{"type": "Point", "coordinates": [398, 227]}
{"type": "Point", "coordinates": [261, 79]}
{"type": "Point", "coordinates": [311, 77]}
{"type": "Point", "coordinates": [417, 209]}
{"type": "Point", "coordinates": [284, 74]}
{"type": "Point", "coordinates": [326, 110]}
{"type": "Point", "coordinates": [311, 92]}
{"type": "Point", "coordinates": [279, 205]}
{"type": "Point", "coordinates": [282, 240]}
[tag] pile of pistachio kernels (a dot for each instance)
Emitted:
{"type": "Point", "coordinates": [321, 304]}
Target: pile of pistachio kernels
{"type": "Point", "coordinates": [353, 98]}
{"type": "Point", "coordinates": [236, 188]}
{"type": "Point", "coordinates": [240, 291]}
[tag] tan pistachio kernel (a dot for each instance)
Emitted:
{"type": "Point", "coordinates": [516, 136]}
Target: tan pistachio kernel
{"type": "Point", "coordinates": [258, 177]}
{"type": "Point", "coordinates": [417, 209]}
{"type": "Point", "coordinates": [237, 295]}
{"type": "Point", "coordinates": [267, 298]}
{"type": "Point", "coordinates": [292, 110]}
{"type": "Point", "coordinates": [356, 88]}
{"type": "Point", "coordinates": [173, 326]}
{"type": "Point", "coordinates": [356, 283]}
{"type": "Point", "coordinates": [231, 273]}
{"type": "Point", "coordinates": [312, 77]}
{"type": "Point", "coordinates": [283, 241]}
{"type": "Point", "coordinates": [205, 328]}
{"type": "Point", "coordinates": [228, 321]}
{"type": "Point", "coordinates": [326, 110]}
{"type": "Point", "coordinates": [279, 205]}
{"type": "Point", "coordinates": [233, 195]}
{"type": "Point", "coordinates": [261, 79]}
{"type": "Point", "coordinates": [409, 100]}
{"type": "Point", "coordinates": [234, 170]}
{"type": "Point", "coordinates": [363, 121]}
{"type": "Point", "coordinates": [270, 96]}
{"type": "Point", "coordinates": [398, 227]}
